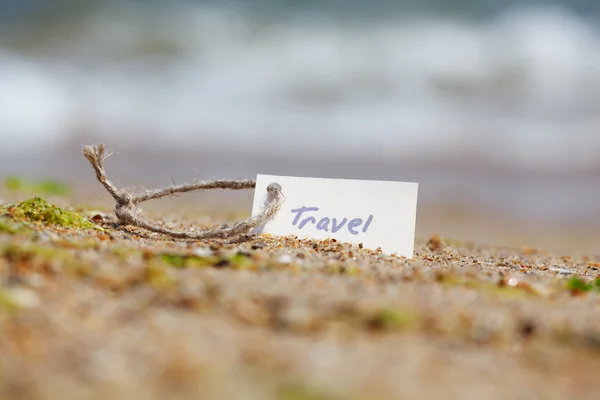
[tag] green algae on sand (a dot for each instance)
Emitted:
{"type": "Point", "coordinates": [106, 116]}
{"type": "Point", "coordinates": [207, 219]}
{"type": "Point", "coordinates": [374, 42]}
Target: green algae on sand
{"type": "Point", "coordinates": [236, 261]}
{"type": "Point", "coordinates": [39, 210]}
{"type": "Point", "coordinates": [577, 285]}
{"type": "Point", "coordinates": [48, 187]}
{"type": "Point", "coordinates": [302, 391]}
{"type": "Point", "coordinates": [10, 226]}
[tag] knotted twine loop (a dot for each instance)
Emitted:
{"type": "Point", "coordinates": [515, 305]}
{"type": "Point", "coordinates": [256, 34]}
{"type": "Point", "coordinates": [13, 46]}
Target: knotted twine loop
{"type": "Point", "coordinates": [128, 212]}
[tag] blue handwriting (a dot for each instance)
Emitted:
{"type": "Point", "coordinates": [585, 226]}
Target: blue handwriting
{"type": "Point", "coordinates": [323, 224]}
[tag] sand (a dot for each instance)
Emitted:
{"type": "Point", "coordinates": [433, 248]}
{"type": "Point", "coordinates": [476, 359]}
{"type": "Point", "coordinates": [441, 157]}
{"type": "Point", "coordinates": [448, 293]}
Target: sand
{"type": "Point", "coordinates": [121, 313]}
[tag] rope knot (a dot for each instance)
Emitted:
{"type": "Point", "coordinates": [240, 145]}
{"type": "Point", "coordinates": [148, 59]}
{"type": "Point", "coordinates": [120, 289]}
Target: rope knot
{"type": "Point", "coordinates": [128, 213]}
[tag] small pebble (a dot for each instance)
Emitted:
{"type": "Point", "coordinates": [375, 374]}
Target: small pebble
{"type": "Point", "coordinates": [513, 282]}
{"type": "Point", "coordinates": [562, 271]}
{"type": "Point", "coordinates": [285, 259]}
{"type": "Point", "coordinates": [203, 252]}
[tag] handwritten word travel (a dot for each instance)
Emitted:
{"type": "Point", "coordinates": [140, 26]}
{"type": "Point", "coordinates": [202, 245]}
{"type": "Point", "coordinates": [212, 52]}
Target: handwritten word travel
{"type": "Point", "coordinates": [324, 223]}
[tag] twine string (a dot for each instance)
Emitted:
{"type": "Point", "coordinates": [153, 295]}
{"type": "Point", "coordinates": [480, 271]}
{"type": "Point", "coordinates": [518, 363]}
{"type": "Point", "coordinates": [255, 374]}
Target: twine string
{"type": "Point", "coordinates": [129, 213]}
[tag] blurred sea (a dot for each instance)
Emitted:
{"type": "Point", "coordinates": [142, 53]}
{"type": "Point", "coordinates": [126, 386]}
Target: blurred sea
{"type": "Point", "coordinates": [445, 92]}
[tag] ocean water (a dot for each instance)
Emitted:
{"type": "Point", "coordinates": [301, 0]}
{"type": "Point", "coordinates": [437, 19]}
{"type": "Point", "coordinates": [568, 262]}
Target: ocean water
{"type": "Point", "coordinates": [510, 85]}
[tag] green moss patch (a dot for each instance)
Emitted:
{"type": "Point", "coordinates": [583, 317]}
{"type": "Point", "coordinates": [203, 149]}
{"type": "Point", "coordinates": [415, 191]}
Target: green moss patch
{"type": "Point", "coordinates": [157, 275]}
{"type": "Point", "coordinates": [29, 252]}
{"type": "Point", "coordinates": [46, 187]}
{"type": "Point", "coordinates": [39, 210]}
{"type": "Point", "coordinates": [186, 261]}
{"type": "Point", "coordinates": [301, 391]}
{"type": "Point", "coordinates": [577, 285]}
{"type": "Point", "coordinates": [7, 303]}
{"type": "Point", "coordinates": [8, 225]}
{"type": "Point", "coordinates": [237, 261]}
{"type": "Point", "coordinates": [5, 207]}
{"type": "Point", "coordinates": [487, 287]}
{"type": "Point", "coordinates": [341, 269]}
{"type": "Point", "coordinates": [389, 319]}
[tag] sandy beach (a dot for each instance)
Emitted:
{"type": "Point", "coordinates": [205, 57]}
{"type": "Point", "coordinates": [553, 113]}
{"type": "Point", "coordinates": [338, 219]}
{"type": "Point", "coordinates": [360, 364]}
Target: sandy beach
{"type": "Point", "coordinates": [492, 107]}
{"type": "Point", "coordinates": [115, 311]}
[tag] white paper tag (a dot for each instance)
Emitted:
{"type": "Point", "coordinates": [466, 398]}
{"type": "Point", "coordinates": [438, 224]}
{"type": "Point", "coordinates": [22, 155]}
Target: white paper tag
{"type": "Point", "coordinates": [374, 213]}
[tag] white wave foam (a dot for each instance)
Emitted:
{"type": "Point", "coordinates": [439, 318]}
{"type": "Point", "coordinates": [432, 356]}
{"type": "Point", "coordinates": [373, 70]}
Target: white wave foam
{"type": "Point", "coordinates": [523, 89]}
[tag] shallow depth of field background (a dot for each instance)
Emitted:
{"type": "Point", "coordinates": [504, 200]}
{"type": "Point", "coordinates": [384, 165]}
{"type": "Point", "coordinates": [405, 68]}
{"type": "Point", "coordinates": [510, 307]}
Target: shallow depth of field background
{"type": "Point", "coordinates": [492, 106]}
